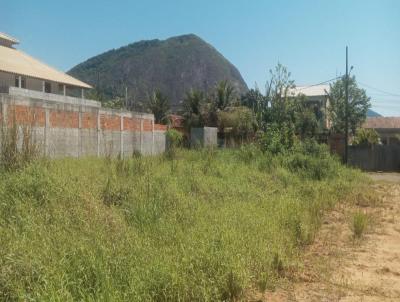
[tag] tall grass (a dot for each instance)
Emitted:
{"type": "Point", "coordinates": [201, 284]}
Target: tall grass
{"type": "Point", "coordinates": [17, 145]}
{"type": "Point", "coordinates": [218, 224]}
{"type": "Point", "coordinates": [359, 224]}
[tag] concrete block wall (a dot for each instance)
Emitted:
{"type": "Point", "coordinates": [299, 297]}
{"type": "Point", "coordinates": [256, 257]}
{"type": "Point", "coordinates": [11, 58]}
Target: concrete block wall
{"type": "Point", "coordinates": [204, 137]}
{"type": "Point", "coordinates": [69, 129]}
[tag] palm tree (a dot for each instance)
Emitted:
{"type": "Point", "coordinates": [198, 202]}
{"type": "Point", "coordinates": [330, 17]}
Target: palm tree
{"type": "Point", "coordinates": [192, 108]}
{"type": "Point", "coordinates": [225, 95]}
{"type": "Point", "coordinates": [159, 105]}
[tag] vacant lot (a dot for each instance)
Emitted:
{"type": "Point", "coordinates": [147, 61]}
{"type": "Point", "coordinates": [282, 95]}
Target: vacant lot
{"type": "Point", "coordinates": [204, 226]}
{"type": "Point", "coordinates": [340, 267]}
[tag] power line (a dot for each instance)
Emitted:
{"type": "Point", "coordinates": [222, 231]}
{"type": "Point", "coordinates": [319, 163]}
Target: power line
{"type": "Point", "coordinates": [378, 94]}
{"type": "Point", "coordinates": [325, 82]}
{"type": "Point", "coordinates": [387, 105]}
{"type": "Point", "coordinates": [380, 90]}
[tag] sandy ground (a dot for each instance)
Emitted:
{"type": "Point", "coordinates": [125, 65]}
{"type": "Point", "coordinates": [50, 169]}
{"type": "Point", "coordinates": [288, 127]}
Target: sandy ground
{"type": "Point", "coordinates": [340, 268]}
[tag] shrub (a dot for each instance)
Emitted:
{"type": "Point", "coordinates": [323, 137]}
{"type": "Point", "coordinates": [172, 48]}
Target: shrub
{"type": "Point", "coordinates": [240, 119]}
{"type": "Point", "coordinates": [366, 137]}
{"type": "Point", "coordinates": [310, 160]}
{"type": "Point", "coordinates": [308, 166]}
{"type": "Point", "coordinates": [278, 139]}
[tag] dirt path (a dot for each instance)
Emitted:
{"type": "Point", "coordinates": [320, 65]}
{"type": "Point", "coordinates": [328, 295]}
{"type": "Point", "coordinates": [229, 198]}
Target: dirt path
{"type": "Point", "coordinates": [339, 268]}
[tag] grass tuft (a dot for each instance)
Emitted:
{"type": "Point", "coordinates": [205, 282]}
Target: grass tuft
{"type": "Point", "coordinates": [360, 223]}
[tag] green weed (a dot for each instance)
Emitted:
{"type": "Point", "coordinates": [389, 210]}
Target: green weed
{"type": "Point", "coordinates": [359, 224]}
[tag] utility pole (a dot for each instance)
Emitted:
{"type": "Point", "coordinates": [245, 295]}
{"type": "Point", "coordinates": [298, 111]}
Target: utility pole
{"type": "Point", "coordinates": [346, 146]}
{"type": "Point", "coordinates": [126, 97]}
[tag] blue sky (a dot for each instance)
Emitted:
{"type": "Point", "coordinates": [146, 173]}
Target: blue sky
{"type": "Point", "coordinates": [309, 37]}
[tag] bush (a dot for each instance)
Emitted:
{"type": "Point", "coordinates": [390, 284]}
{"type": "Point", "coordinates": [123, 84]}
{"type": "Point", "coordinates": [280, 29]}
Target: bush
{"type": "Point", "coordinates": [277, 139]}
{"type": "Point", "coordinates": [366, 137]}
{"type": "Point", "coordinates": [240, 120]}
{"type": "Point", "coordinates": [310, 160]}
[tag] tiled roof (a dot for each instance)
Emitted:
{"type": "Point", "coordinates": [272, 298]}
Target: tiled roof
{"type": "Point", "coordinates": [176, 120]}
{"type": "Point", "coordinates": [382, 123]}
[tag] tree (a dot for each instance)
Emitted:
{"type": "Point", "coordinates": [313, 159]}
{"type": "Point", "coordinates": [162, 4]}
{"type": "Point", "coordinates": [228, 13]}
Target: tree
{"type": "Point", "coordinates": [254, 100]}
{"type": "Point", "coordinates": [239, 119]}
{"type": "Point", "coordinates": [278, 95]}
{"type": "Point", "coordinates": [279, 118]}
{"type": "Point", "coordinates": [225, 95]}
{"type": "Point", "coordinates": [193, 106]}
{"type": "Point", "coordinates": [359, 103]}
{"type": "Point", "coordinates": [158, 104]}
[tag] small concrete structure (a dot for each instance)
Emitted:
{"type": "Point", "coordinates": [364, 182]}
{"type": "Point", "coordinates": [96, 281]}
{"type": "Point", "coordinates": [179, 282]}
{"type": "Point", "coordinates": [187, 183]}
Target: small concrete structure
{"type": "Point", "coordinates": [204, 137]}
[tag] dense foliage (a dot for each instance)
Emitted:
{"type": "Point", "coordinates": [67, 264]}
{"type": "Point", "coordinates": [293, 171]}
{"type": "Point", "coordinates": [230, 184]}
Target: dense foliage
{"type": "Point", "coordinates": [159, 105]}
{"type": "Point", "coordinates": [359, 103]}
{"type": "Point", "coordinates": [215, 226]}
{"type": "Point", "coordinates": [366, 137]}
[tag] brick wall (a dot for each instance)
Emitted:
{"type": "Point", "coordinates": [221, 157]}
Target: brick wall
{"type": "Point", "coordinates": [24, 115]}
{"type": "Point", "coordinates": [73, 130]}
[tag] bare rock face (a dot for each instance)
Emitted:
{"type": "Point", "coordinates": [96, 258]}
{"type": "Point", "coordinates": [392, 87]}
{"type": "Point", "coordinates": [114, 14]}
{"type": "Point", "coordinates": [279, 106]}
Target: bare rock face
{"type": "Point", "coordinates": [172, 66]}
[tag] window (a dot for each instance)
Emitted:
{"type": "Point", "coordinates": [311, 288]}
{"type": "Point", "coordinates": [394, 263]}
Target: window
{"type": "Point", "coordinates": [23, 82]}
{"type": "Point", "coordinates": [60, 88]}
{"type": "Point", "coordinates": [47, 87]}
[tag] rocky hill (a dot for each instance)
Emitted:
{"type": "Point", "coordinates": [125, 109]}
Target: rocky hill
{"type": "Point", "coordinates": [173, 66]}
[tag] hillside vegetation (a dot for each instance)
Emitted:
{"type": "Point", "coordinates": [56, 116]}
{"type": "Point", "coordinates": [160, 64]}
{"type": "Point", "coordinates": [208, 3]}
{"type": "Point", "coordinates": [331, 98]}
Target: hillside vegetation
{"type": "Point", "coordinates": [173, 66]}
{"type": "Point", "coordinates": [205, 226]}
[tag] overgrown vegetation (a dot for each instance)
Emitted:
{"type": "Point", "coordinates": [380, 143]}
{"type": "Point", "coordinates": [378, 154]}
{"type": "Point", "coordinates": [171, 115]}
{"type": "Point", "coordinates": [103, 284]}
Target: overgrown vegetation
{"type": "Point", "coordinates": [174, 141]}
{"type": "Point", "coordinates": [17, 146]}
{"type": "Point", "coordinates": [218, 224]}
{"type": "Point", "coordinates": [359, 103]}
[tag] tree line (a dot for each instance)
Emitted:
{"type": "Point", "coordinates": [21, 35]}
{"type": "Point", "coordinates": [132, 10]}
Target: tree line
{"type": "Point", "coordinates": [276, 116]}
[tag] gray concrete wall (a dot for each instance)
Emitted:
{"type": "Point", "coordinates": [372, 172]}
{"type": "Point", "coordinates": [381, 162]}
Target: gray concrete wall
{"type": "Point", "coordinates": [80, 141]}
{"type": "Point", "coordinates": [204, 137]}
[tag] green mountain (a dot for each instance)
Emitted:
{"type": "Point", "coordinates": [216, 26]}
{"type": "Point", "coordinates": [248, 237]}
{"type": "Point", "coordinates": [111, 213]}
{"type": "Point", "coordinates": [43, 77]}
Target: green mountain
{"type": "Point", "coordinates": [172, 66]}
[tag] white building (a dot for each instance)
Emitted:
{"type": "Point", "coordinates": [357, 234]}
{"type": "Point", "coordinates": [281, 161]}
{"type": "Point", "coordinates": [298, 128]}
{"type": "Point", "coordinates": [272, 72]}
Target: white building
{"type": "Point", "coordinates": [22, 75]}
{"type": "Point", "coordinates": [316, 95]}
